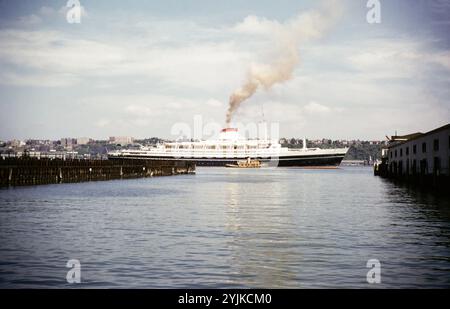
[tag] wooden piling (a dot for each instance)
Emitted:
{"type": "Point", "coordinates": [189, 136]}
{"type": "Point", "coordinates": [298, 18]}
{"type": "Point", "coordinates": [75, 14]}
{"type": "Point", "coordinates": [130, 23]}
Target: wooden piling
{"type": "Point", "coordinates": [34, 171]}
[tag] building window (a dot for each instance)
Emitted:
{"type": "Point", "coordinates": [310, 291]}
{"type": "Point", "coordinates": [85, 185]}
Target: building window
{"type": "Point", "coordinates": [437, 166]}
{"type": "Point", "coordinates": [407, 151]}
{"type": "Point", "coordinates": [391, 154]}
{"type": "Point", "coordinates": [414, 149]}
{"type": "Point", "coordinates": [401, 152]}
{"type": "Point", "coordinates": [395, 154]}
{"type": "Point", "coordinates": [424, 147]}
{"type": "Point", "coordinates": [436, 145]}
{"type": "Point", "coordinates": [423, 167]}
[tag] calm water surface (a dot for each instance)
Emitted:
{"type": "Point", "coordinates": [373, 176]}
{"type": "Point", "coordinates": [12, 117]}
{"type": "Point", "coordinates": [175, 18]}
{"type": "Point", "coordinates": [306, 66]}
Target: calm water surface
{"type": "Point", "coordinates": [280, 228]}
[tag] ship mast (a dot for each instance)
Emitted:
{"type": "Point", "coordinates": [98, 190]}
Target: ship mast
{"type": "Point", "coordinates": [263, 122]}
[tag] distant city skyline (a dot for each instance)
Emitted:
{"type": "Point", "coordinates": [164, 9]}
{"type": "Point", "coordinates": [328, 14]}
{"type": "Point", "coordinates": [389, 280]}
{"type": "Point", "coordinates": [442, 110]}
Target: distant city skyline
{"type": "Point", "coordinates": [135, 68]}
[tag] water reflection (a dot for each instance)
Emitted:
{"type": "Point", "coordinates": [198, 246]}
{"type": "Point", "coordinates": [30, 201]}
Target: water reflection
{"type": "Point", "coordinates": [432, 206]}
{"type": "Point", "coordinates": [262, 241]}
{"type": "Point", "coordinates": [420, 227]}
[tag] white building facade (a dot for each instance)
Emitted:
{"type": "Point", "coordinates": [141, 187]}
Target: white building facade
{"type": "Point", "coordinates": [425, 154]}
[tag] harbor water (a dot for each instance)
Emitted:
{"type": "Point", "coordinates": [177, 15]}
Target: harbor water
{"type": "Point", "coordinates": [226, 228]}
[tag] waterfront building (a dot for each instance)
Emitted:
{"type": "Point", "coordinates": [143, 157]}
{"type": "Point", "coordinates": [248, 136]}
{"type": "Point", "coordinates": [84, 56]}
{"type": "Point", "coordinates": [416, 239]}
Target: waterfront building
{"type": "Point", "coordinates": [421, 154]}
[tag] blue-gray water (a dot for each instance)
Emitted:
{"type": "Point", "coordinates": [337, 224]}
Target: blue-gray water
{"type": "Point", "coordinates": [281, 228]}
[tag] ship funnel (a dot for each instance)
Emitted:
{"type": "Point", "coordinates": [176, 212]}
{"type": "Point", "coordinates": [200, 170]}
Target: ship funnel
{"type": "Point", "coordinates": [229, 134]}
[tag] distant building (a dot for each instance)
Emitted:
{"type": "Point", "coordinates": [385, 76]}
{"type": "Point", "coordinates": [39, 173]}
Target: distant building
{"type": "Point", "coordinates": [68, 143]}
{"type": "Point", "coordinates": [43, 148]}
{"type": "Point", "coordinates": [38, 142]}
{"type": "Point", "coordinates": [420, 154]}
{"type": "Point", "coordinates": [84, 140]}
{"type": "Point", "coordinates": [16, 143]}
{"type": "Point", "coordinates": [122, 140]}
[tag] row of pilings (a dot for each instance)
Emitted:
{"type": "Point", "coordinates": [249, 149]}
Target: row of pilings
{"type": "Point", "coordinates": [24, 171]}
{"type": "Point", "coordinates": [432, 182]}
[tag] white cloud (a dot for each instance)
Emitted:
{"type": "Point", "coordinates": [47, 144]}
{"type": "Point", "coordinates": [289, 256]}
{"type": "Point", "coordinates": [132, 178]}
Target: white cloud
{"type": "Point", "coordinates": [51, 51]}
{"type": "Point", "coordinates": [306, 25]}
{"type": "Point", "coordinates": [396, 59]}
{"type": "Point", "coordinates": [441, 58]}
{"type": "Point", "coordinates": [207, 65]}
{"type": "Point", "coordinates": [256, 25]}
{"type": "Point", "coordinates": [139, 110]}
{"type": "Point", "coordinates": [47, 11]}
{"type": "Point", "coordinates": [101, 123]}
{"type": "Point", "coordinates": [214, 103]}
{"type": "Point", "coordinates": [37, 80]}
{"type": "Point", "coordinates": [316, 108]}
{"type": "Point", "coordinates": [30, 20]}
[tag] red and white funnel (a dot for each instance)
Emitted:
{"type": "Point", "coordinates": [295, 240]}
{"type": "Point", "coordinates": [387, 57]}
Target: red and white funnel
{"type": "Point", "coordinates": [229, 134]}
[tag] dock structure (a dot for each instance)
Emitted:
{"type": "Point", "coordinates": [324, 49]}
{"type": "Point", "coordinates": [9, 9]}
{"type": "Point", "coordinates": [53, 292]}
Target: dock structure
{"type": "Point", "coordinates": [36, 171]}
{"type": "Point", "coordinates": [420, 158]}
{"type": "Point", "coordinates": [355, 162]}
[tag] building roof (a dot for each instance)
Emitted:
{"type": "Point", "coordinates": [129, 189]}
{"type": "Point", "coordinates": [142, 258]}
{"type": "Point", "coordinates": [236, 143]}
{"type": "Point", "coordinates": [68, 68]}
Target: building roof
{"type": "Point", "coordinates": [405, 137]}
{"type": "Point", "coordinates": [410, 137]}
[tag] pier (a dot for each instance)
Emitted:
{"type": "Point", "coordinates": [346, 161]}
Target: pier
{"type": "Point", "coordinates": [24, 171]}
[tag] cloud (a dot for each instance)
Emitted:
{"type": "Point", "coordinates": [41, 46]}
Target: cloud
{"type": "Point", "coordinates": [45, 14]}
{"type": "Point", "coordinates": [47, 11]}
{"type": "Point", "coordinates": [441, 58]}
{"type": "Point", "coordinates": [306, 25]}
{"type": "Point", "coordinates": [207, 65]}
{"type": "Point", "coordinates": [316, 108]}
{"type": "Point", "coordinates": [52, 51]}
{"type": "Point", "coordinates": [214, 103]}
{"type": "Point", "coordinates": [101, 123]}
{"type": "Point", "coordinates": [252, 25]}
{"type": "Point", "coordinates": [30, 20]}
{"type": "Point", "coordinates": [396, 59]}
{"type": "Point", "coordinates": [37, 80]}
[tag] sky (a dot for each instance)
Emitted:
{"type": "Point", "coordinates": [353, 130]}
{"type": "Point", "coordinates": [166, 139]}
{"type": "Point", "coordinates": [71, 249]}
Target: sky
{"type": "Point", "coordinates": [139, 68]}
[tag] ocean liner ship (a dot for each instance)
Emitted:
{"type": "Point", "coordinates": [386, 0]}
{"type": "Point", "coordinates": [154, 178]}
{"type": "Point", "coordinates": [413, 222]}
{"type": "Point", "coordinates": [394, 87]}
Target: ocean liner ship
{"type": "Point", "coordinates": [229, 148]}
